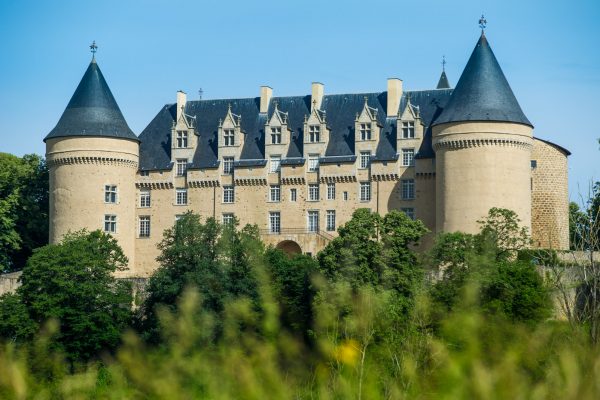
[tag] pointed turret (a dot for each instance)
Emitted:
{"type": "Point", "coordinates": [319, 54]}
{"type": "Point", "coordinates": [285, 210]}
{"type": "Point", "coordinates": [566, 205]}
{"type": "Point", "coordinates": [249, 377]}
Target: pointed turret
{"type": "Point", "coordinates": [443, 82]}
{"type": "Point", "coordinates": [92, 110]}
{"type": "Point", "coordinates": [482, 92]}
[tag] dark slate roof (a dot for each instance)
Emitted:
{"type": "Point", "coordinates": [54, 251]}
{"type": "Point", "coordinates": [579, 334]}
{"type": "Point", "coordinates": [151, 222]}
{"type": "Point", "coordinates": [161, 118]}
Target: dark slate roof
{"type": "Point", "coordinates": [340, 112]}
{"type": "Point", "coordinates": [482, 92]}
{"type": "Point", "coordinates": [443, 82]}
{"type": "Point", "coordinates": [92, 110]}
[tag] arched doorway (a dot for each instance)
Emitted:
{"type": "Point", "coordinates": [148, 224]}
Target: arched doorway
{"type": "Point", "coordinates": [290, 247]}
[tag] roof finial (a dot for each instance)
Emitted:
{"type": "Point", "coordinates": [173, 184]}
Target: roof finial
{"type": "Point", "coordinates": [93, 49]}
{"type": "Point", "coordinates": [444, 63]}
{"type": "Point", "coordinates": [200, 93]}
{"type": "Point", "coordinates": [482, 23]}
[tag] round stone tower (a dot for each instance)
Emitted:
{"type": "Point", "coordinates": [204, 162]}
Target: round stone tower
{"type": "Point", "coordinates": [483, 143]}
{"type": "Point", "coordinates": [92, 157]}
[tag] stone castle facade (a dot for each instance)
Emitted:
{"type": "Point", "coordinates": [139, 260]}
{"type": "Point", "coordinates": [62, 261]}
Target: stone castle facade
{"type": "Point", "coordinates": [299, 166]}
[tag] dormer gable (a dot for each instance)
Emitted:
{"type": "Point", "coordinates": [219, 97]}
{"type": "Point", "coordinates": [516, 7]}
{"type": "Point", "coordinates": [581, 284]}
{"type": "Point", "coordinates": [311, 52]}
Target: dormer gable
{"type": "Point", "coordinates": [184, 139]}
{"type": "Point", "coordinates": [315, 126]}
{"type": "Point", "coordinates": [366, 126]}
{"type": "Point", "coordinates": [230, 130]}
{"type": "Point", "coordinates": [277, 129]}
{"type": "Point", "coordinates": [410, 125]}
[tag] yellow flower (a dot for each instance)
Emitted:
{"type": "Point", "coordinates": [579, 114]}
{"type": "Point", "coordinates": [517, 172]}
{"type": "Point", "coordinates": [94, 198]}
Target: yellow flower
{"type": "Point", "coordinates": [347, 352]}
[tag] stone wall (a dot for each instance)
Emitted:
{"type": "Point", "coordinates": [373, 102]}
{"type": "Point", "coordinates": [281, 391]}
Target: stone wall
{"type": "Point", "coordinates": [9, 282]}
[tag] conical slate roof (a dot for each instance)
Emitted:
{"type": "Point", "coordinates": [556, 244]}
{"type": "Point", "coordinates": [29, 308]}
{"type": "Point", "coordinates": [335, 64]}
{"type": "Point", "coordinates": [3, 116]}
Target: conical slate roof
{"type": "Point", "coordinates": [482, 92]}
{"type": "Point", "coordinates": [443, 82]}
{"type": "Point", "coordinates": [92, 110]}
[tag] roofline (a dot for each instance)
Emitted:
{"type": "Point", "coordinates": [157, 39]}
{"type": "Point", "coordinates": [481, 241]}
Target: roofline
{"type": "Point", "coordinates": [435, 123]}
{"type": "Point", "coordinates": [558, 147]}
{"type": "Point", "coordinates": [92, 136]}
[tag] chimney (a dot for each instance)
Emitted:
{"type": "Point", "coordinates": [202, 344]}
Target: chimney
{"type": "Point", "coordinates": [181, 100]}
{"type": "Point", "coordinates": [317, 95]}
{"type": "Point", "coordinates": [265, 97]}
{"type": "Point", "coordinates": [394, 94]}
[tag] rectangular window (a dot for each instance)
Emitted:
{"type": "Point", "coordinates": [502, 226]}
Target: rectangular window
{"type": "Point", "coordinates": [276, 135]}
{"type": "Point", "coordinates": [275, 193]}
{"type": "Point", "coordinates": [293, 194]}
{"type": "Point", "coordinates": [408, 130]}
{"type": "Point", "coordinates": [331, 191]}
{"type": "Point", "coordinates": [144, 173]}
{"type": "Point", "coordinates": [345, 196]}
{"type": "Point", "coordinates": [228, 137]}
{"type": "Point", "coordinates": [145, 198]}
{"type": "Point", "coordinates": [110, 194]}
{"type": "Point", "coordinates": [365, 159]}
{"type": "Point", "coordinates": [330, 220]}
{"type": "Point", "coordinates": [227, 165]}
{"type": "Point", "coordinates": [110, 223]}
{"type": "Point", "coordinates": [181, 166]}
{"type": "Point", "coordinates": [275, 164]}
{"type": "Point", "coordinates": [313, 192]}
{"type": "Point", "coordinates": [365, 131]}
{"type": "Point", "coordinates": [182, 139]}
{"type": "Point", "coordinates": [408, 189]}
{"type": "Point", "coordinates": [180, 197]}
{"type": "Point", "coordinates": [410, 212]}
{"type": "Point", "coordinates": [145, 226]}
{"type": "Point", "coordinates": [274, 222]}
{"type": "Point", "coordinates": [408, 157]}
{"type": "Point", "coordinates": [228, 194]}
{"type": "Point", "coordinates": [313, 221]}
{"type": "Point", "coordinates": [365, 191]}
{"type": "Point", "coordinates": [228, 218]}
{"type": "Point", "coordinates": [313, 162]}
{"type": "Point", "coordinates": [314, 133]}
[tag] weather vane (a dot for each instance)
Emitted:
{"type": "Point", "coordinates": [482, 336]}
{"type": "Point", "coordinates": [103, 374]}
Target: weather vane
{"type": "Point", "coordinates": [444, 63]}
{"type": "Point", "coordinates": [93, 48]}
{"type": "Point", "coordinates": [482, 23]}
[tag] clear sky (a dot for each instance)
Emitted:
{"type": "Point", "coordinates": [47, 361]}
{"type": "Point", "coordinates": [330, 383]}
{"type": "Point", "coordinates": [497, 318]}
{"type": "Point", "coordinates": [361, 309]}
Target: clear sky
{"type": "Point", "coordinates": [149, 49]}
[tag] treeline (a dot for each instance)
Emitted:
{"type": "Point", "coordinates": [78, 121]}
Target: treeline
{"type": "Point", "coordinates": [226, 317]}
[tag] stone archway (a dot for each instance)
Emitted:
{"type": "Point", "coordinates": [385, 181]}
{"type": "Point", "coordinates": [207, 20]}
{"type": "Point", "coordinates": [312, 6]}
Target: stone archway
{"type": "Point", "coordinates": [289, 247]}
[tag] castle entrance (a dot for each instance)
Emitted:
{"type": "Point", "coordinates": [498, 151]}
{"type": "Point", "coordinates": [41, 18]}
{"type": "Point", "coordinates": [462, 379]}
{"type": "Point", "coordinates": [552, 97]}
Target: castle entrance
{"type": "Point", "coordinates": [290, 247]}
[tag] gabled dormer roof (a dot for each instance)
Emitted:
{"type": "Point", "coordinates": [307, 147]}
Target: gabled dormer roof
{"type": "Point", "coordinates": [482, 92]}
{"type": "Point", "coordinates": [92, 110]}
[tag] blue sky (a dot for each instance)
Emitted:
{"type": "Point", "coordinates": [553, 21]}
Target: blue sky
{"type": "Point", "coordinates": [149, 49]}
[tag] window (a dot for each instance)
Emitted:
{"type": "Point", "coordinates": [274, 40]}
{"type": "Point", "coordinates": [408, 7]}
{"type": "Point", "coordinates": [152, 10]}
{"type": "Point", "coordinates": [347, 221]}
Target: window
{"type": "Point", "coordinates": [275, 165]}
{"type": "Point", "coordinates": [331, 191]}
{"type": "Point", "coordinates": [181, 166]}
{"type": "Point", "coordinates": [365, 131]}
{"type": "Point", "coordinates": [313, 221]}
{"type": "Point", "coordinates": [274, 222]}
{"type": "Point", "coordinates": [182, 139]}
{"type": "Point", "coordinates": [275, 193]}
{"type": "Point", "coordinates": [365, 159]}
{"type": "Point", "coordinates": [144, 173]}
{"type": "Point", "coordinates": [228, 218]}
{"type": "Point", "coordinates": [181, 197]}
{"type": "Point", "coordinates": [276, 135]}
{"type": "Point", "coordinates": [313, 162]}
{"type": "Point", "coordinates": [408, 189]}
{"type": "Point", "coordinates": [227, 194]}
{"type": "Point", "coordinates": [227, 165]}
{"type": "Point", "coordinates": [145, 198]}
{"type": "Point", "coordinates": [330, 222]}
{"type": "Point", "coordinates": [408, 130]}
{"type": "Point", "coordinates": [145, 226]}
{"type": "Point", "coordinates": [110, 194]}
{"type": "Point", "coordinates": [314, 133]}
{"type": "Point", "coordinates": [313, 192]}
{"type": "Point", "coordinates": [408, 157]}
{"type": "Point", "coordinates": [365, 191]}
{"type": "Point", "coordinates": [228, 137]}
{"type": "Point", "coordinates": [293, 194]}
{"type": "Point", "coordinates": [345, 196]}
{"type": "Point", "coordinates": [410, 212]}
{"type": "Point", "coordinates": [110, 223]}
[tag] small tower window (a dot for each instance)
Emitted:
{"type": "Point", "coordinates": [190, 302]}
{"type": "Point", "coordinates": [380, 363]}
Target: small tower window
{"type": "Point", "coordinates": [314, 133]}
{"type": "Point", "coordinates": [227, 165]}
{"type": "Point", "coordinates": [228, 137]}
{"type": "Point", "coordinates": [145, 198]}
{"type": "Point", "coordinates": [110, 194]}
{"type": "Point", "coordinates": [365, 131]}
{"type": "Point", "coordinates": [331, 191]}
{"type": "Point", "coordinates": [293, 194]}
{"type": "Point", "coordinates": [182, 139]}
{"type": "Point", "coordinates": [276, 135]}
{"type": "Point", "coordinates": [408, 157]}
{"type": "Point", "coordinates": [408, 189]}
{"type": "Point", "coordinates": [408, 130]}
{"type": "Point", "coordinates": [365, 159]}
{"type": "Point", "coordinates": [181, 166]}
{"type": "Point", "coordinates": [145, 226]}
{"type": "Point", "coordinates": [110, 223]}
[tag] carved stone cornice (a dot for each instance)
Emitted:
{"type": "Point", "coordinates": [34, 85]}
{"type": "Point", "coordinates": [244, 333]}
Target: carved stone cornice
{"type": "Point", "coordinates": [204, 183]}
{"type": "Point", "coordinates": [293, 181]}
{"type": "Point", "coordinates": [124, 162]}
{"type": "Point", "coordinates": [154, 185]}
{"type": "Point", "coordinates": [457, 144]}
{"type": "Point", "coordinates": [251, 181]}
{"type": "Point", "coordinates": [385, 177]}
{"type": "Point", "coordinates": [338, 179]}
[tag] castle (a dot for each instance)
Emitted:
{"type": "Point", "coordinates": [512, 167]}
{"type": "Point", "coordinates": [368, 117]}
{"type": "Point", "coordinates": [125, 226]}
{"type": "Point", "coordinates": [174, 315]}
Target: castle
{"type": "Point", "coordinates": [299, 166]}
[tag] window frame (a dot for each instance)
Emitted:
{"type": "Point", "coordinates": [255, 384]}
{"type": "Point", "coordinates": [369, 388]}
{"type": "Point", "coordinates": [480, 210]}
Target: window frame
{"type": "Point", "coordinates": [411, 153]}
{"type": "Point", "coordinates": [227, 218]}
{"type": "Point", "coordinates": [364, 156]}
{"type": "Point", "coordinates": [314, 133]}
{"type": "Point", "coordinates": [228, 167]}
{"type": "Point", "coordinates": [407, 187]}
{"type": "Point", "coordinates": [275, 193]}
{"type": "Point", "coordinates": [276, 135]}
{"type": "Point", "coordinates": [365, 191]}
{"type": "Point", "coordinates": [330, 190]}
{"type": "Point", "coordinates": [274, 222]}
{"type": "Point", "coordinates": [313, 192]}
{"type": "Point", "coordinates": [366, 132]}
{"type": "Point", "coordinates": [110, 223]}
{"type": "Point", "coordinates": [181, 166]}
{"type": "Point", "coordinates": [409, 211]}
{"type": "Point", "coordinates": [408, 130]}
{"type": "Point", "coordinates": [182, 140]}
{"type": "Point", "coordinates": [311, 226]}
{"type": "Point", "coordinates": [181, 197]}
{"type": "Point", "coordinates": [293, 194]}
{"type": "Point", "coordinates": [145, 198]}
{"type": "Point", "coordinates": [144, 226]}
{"type": "Point", "coordinates": [274, 163]}
{"type": "Point", "coordinates": [330, 221]}
{"type": "Point", "coordinates": [110, 194]}
{"type": "Point", "coordinates": [228, 191]}
{"type": "Point", "coordinates": [313, 162]}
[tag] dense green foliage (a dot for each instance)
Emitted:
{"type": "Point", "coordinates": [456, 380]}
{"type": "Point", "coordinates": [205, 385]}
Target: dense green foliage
{"type": "Point", "coordinates": [23, 208]}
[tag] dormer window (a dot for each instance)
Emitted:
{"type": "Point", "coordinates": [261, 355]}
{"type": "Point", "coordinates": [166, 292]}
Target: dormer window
{"type": "Point", "coordinates": [228, 137]}
{"type": "Point", "coordinates": [365, 131]}
{"type": "Point", "coordinates": [182, 139]}
{"type": "Point", "coordinates": [314, 133]}
{"type": "Point", "coordinates": [276, 135]}
{"type": "Point", "coordinates": [408, 130]}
